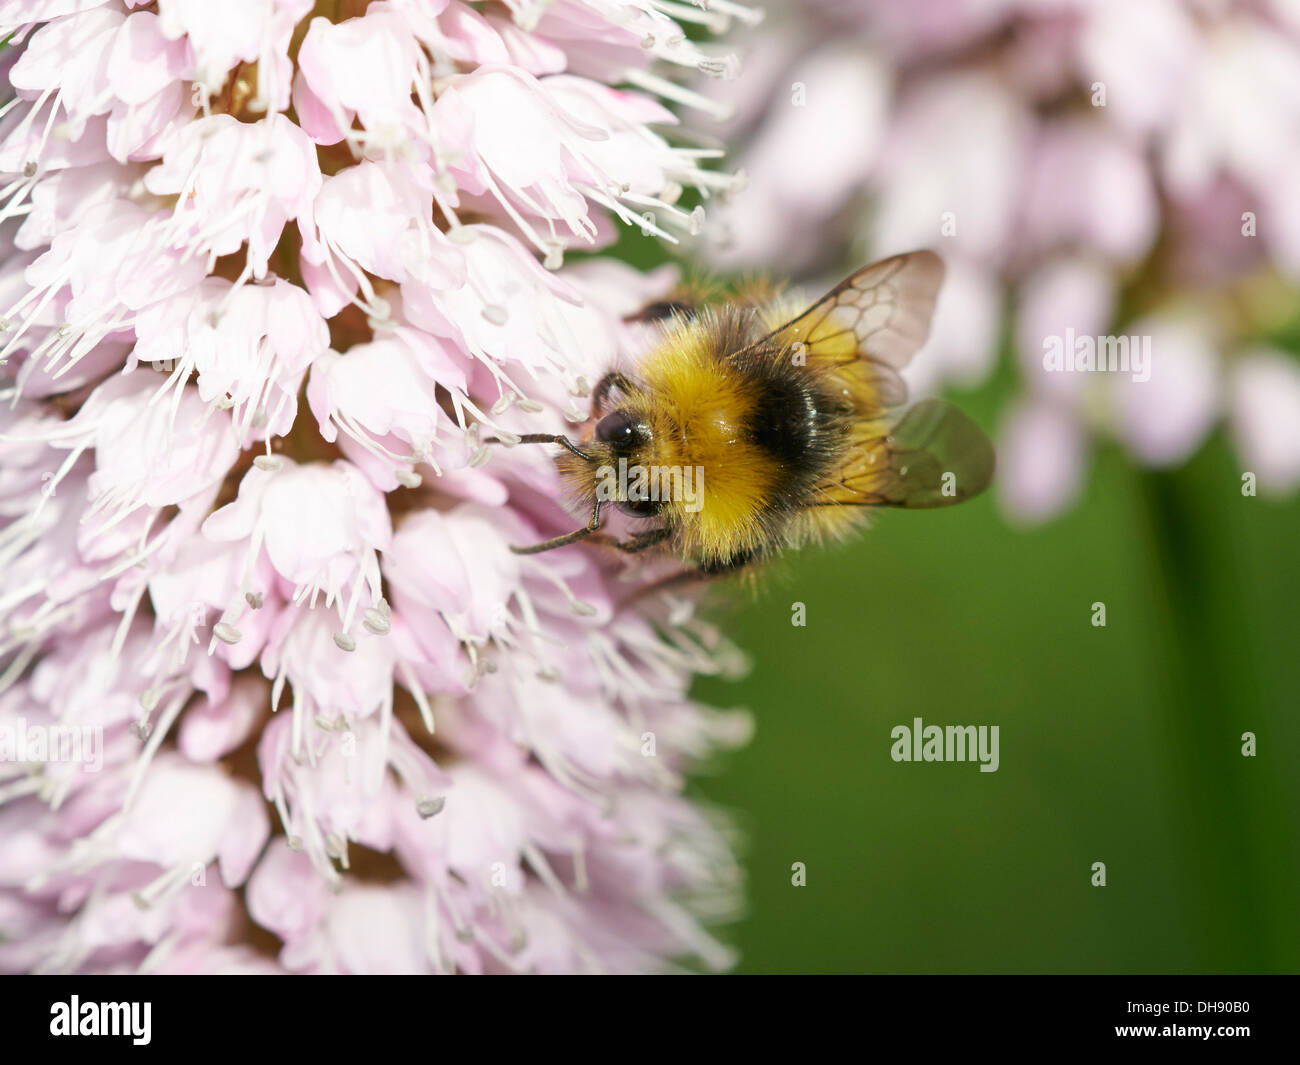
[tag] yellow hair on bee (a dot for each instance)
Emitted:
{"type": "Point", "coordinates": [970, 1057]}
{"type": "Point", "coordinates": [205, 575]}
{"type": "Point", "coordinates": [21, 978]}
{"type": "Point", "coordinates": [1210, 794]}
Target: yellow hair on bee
{"type": "Point", "coordinates": [821, 525]}
{"type": "Point", "coordinates": [698, 408]}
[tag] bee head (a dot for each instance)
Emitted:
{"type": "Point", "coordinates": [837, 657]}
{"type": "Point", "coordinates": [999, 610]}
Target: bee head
{"type": "Point", "coordinates": [623, 436]}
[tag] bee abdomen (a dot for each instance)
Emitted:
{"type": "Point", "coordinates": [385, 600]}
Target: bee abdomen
{"type": "Point", "coordinates": [789, 424]}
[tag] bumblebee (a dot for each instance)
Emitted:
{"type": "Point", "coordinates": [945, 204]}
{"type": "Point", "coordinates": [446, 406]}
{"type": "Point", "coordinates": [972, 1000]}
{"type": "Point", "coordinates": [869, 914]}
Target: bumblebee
{"type": "Point", "coordinates": [747, 432]}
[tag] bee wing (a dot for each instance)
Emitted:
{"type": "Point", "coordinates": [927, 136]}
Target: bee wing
{"type": "Point", "coordinates": [866, 328]}
{"type": "Point", "coordinates": [934, 456]}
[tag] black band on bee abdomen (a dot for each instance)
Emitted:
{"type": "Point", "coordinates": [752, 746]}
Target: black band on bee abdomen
{"type": "Point", "coordinates": [785, 422]}
{"type": "Point", "coordinates": [791, 422]}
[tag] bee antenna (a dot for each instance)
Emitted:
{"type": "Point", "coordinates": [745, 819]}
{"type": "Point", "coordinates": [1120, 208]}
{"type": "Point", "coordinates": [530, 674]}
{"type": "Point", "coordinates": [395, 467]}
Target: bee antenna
{"type": "Point", "coordinates": [546, 438]}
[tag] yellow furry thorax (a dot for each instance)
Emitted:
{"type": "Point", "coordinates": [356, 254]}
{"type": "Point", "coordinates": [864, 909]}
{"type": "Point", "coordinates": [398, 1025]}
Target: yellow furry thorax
{"type": "Point", "coordinates": [718, 491]}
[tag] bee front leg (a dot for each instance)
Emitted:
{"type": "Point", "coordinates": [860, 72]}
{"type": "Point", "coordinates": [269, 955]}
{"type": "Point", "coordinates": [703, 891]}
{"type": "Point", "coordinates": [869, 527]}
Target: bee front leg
{"type": "Point", "coordinates": [567, 538]}
{"type": "Point", "coordinates": [604, 387]}
{"type": "Point", "coordinates": [546, 438]}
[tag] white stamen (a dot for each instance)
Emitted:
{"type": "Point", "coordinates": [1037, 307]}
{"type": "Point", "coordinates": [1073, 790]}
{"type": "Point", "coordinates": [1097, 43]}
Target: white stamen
{"type": "Point", "coordinates": [670, 90]}
{"type": "Point", "coordinates": [376, 622]}
{"type": "Point", "coordinates": [430, 805]}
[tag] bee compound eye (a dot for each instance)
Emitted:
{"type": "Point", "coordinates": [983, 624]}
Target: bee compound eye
{"type": "Point", "coordinates": [637, 507]}
{"type": "Point", "coordinates": [617, 430]}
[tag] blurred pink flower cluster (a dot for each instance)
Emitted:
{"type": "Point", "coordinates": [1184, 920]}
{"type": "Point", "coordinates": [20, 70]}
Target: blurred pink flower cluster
{"type": "Point", "coordinates": [1095, 167]}
{"type": "Point", "coordinates": [272, 272]}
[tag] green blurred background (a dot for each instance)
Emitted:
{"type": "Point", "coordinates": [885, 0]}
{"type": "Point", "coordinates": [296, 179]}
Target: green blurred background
{"type": "Point", "coordinates": [1120, 744]}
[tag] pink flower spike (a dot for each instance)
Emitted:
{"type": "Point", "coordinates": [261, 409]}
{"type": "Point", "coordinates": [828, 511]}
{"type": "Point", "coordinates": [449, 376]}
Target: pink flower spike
{"type": "Point", "coordinates": [250, 346]}
{"type": "Point", "coordinates": [544, 152]}
{"type": "Point", "coordinates": [319, 525]}
{"type": "Point", "coordinates": [222, 35]}
{"type": "Point", "coordinates": [236, 182]}
{"type": "Point", "coordinates": [217, 211]}
{"type": "Point", "coordinates": [381, 389]}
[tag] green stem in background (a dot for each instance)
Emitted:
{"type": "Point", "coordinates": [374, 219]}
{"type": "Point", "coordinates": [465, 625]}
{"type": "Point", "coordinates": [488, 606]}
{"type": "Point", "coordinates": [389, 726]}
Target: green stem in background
{"type": "Point", "coordinates": [1211, 693]}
